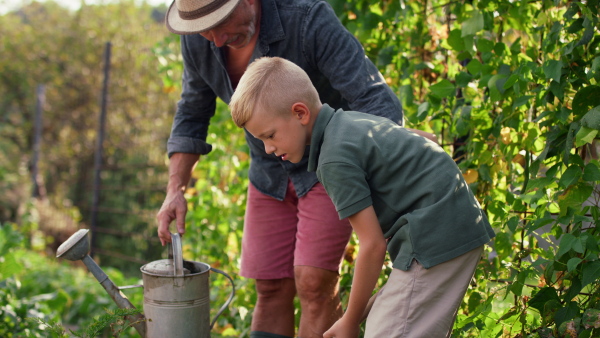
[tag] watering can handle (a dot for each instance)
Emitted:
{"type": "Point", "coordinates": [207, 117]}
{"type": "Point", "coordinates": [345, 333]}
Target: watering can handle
{"type": "Point", "coordinates": [176, 255]}
{"type": "Point", "coordinates": [228, 300]}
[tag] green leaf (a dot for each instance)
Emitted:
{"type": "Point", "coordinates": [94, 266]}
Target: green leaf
{"type": "Point", "coordinates": [443, 89]}
{"type": "Point", "coordinates": [496, 84]}
{"type": "Point", "coordinates": [573, 263]}
{"type": "Point", "coordinates": [485, 45]}
{"type": "Point", "coordinates": [463, 79]}
{"type": "Point", "coordinates": [591, 173]}
{"type": "Point", "coordinates": [474, 301]}
{"type": "Point", "coordinates": [553, 70]}
{"type": "Point", "coordinates": [591, 319]}
{"type": "Point", "coordinates": [522, 100]}
{"type": "Point", "coordinates": [386, 55]}
{"type": "Point", "coordinates": [422, 111]}
{"type": "Point", "coordinates": [543, 296]}
{"type": "Point", "coordinates": [472, 25]}
{"type": "Point", "coordinates": [592, 118]}
{"type": "Point", "coordinates": [499, 48]}
{"type": "Point", "coordinates": [585, 99]}
{"type": "Point", "coordinates": [566, 313]}
{"type": "Point", "coordinates": [566, 243]}
{"type": "Point", "coordinates": [511, 81]}
{"type": "Point", "coordinates": [584, 136]}
{"type": "Point", "coordinates": [513, 311]}
{"type": "Point", "coordinates": [591, 273]}
{"type": "Point", "coordinates": [9, 266]}
{"type": "Point", "coordinates": [474, 66]}
{"type": "Point", "coordinates": [455, 40]}
{"type": "Point", "coordinates": [570, 176]}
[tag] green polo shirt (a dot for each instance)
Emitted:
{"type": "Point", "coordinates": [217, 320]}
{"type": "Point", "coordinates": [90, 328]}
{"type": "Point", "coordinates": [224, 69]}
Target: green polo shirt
{"type": "Point", "coordinates": [423, 204]}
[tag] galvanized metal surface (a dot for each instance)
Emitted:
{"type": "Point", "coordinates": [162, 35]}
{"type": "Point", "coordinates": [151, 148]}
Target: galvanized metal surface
{"type": "Point", "coordinates": [178, 306]}
{"type": "Point", "coordinates": [176, 292]}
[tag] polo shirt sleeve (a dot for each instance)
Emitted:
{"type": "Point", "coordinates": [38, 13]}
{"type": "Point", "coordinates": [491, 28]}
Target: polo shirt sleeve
{"type": "Point", "coordinates": [347, 186]}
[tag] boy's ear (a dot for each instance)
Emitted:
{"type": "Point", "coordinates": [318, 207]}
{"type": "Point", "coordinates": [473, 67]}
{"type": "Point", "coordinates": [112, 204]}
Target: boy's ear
{"type": "Point", "coordinates": [301, 112]}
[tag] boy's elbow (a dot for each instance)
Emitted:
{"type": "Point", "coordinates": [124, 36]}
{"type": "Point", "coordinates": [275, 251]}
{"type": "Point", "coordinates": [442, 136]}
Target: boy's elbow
{"type": "Point", "coordinates": [378, 248]}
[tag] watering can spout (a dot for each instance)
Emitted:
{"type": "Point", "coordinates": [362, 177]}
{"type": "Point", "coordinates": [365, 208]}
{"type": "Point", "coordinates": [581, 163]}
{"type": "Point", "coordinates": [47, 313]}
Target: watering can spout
{"type": "Point", "coordinates": [77, 248]}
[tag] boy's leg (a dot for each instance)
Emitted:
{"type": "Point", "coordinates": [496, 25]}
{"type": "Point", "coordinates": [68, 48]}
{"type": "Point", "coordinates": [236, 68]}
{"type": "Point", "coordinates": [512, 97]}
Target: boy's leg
{"type": "Point", "coordinates": [320, 245]}
{"type": "Point", "coordinates": [268, 257]}
{"type": "Point", "coordinates": [422, 302]}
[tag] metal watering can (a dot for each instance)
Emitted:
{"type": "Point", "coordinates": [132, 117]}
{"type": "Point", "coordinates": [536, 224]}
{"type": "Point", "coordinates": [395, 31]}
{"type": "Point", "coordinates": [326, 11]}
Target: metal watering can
{"type": "Point", "coordinates": [176, 292]}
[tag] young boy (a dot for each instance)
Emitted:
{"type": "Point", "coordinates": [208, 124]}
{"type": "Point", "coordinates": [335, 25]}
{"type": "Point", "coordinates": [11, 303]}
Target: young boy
{"type": "Point", "coordinates": [399, 191]}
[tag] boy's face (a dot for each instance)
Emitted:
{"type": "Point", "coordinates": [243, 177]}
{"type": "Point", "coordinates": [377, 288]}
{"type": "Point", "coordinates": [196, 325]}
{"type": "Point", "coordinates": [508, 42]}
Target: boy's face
{"type": "Point", "coordinates": [237, 30]}
{"type": "Point", "coordinates": [286, 136]}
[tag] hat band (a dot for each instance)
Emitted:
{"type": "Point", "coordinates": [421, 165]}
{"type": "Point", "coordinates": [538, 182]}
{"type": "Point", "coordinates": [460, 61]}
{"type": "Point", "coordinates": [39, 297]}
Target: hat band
{"type": "Point", "coordinates": [202, 11]}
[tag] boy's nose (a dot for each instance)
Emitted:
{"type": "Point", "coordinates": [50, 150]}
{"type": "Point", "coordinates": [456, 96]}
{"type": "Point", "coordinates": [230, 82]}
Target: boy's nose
{"type": "Point", "coordinates": [269, 149]}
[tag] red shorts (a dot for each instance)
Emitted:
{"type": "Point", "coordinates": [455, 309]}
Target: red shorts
{"type": "Point", "coordinates": [279, 235]}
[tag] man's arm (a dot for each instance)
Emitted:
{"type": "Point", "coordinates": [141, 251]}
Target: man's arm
{"type": "Point", "coordinates": [341, 58]}
{"type": "Point", "coordinates": [371, 254]}
{"type": "Point", "coordinates": [174, 207]}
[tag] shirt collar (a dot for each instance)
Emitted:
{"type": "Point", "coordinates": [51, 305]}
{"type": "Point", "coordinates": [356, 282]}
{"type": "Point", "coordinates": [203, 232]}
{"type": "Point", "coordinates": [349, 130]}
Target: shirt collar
{"type": "Point", "coordinates": [271, 29]}
{"type": "Point", "coordinates": [318, 133]}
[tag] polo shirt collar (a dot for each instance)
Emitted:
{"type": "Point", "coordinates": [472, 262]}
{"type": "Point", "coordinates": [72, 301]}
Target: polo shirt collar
{"type": "Point", "coordinates": [318, 133]}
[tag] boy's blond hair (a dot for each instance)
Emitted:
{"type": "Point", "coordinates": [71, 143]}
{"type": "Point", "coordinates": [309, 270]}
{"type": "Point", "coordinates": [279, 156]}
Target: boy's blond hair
{"type": "Point", "coordinates": [272, 84]}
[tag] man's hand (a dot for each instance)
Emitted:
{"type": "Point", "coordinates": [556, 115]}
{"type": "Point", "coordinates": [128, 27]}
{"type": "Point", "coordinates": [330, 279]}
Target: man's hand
{"type": "Point", "coordinates": [341, 329]}
{"type": "Point", "coordinates": [175, 206]}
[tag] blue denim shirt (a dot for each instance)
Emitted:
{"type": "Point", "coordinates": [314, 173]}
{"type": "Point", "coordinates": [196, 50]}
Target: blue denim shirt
{"type": "Point", "coordinates": [306, 32]}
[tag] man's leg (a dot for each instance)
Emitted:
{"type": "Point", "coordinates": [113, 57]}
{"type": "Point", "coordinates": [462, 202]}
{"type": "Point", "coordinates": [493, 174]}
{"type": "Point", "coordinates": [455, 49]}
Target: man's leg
{"type": "Point", "coordinates": [268, 247]}
{"type": "Point", "coordinates": [319, 299]}
{"type": "Point", "coordinates": [274, 310]}
{"type": "Point", "coordinates": [320, 245]}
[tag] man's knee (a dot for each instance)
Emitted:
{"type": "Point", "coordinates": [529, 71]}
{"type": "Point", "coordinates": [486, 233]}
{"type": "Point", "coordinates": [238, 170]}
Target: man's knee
{"type": "Point", "coordinates": [314, 284]}
{"type": "Point", "coordinates": [276, 289]}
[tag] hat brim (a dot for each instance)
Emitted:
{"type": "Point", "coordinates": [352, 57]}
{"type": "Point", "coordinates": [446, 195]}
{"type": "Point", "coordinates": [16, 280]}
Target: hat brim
{"type": "Point", "coordinates": [177, 25]}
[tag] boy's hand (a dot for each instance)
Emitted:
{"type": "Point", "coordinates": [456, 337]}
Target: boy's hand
{"type": "Point", "coordinates": [341, 329]}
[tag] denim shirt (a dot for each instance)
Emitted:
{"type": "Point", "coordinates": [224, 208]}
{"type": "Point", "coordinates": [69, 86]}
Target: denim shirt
{"type": "Point", "coordinates": [306, 32]}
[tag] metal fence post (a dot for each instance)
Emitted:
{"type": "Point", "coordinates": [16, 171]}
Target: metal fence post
{"type": "Point", "coordinates": [98, 153]}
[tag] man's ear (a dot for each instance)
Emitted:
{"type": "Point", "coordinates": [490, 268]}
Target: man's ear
{"type": "Point", "coordinates": [301, 112]}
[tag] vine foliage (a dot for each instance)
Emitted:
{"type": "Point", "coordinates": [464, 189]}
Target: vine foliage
{"type": "Point", "coordinates": [511, 89]}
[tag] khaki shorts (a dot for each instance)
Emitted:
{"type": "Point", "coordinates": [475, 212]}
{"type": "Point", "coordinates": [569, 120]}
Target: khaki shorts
{"type": "Point", "coordinates": [279, 235]}
{"type": "Point", "coordinates": [422, 302]}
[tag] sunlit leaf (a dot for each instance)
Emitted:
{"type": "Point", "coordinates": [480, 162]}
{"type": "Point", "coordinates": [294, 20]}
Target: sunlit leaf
{"type": "Point", "coordinates": [570, 176]}
{"type": "Point", "coordinates": [443, 89]}
{"type": "Point", "coordinates": [485, 45]}
{"type": "Point", "coordinates": [472, 25]}
{"type": "Point", "coordinates": [585, 135]}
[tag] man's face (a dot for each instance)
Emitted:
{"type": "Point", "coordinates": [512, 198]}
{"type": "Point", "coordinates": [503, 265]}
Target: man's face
{"type": "Point", "coordinates": [284, 136]}
{"type": "Point", "coordinates": [237, 30]}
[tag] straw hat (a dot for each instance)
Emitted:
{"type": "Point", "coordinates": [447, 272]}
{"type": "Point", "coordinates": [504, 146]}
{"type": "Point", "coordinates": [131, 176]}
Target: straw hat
{"type": "Point", "coordinates": [196, 16]}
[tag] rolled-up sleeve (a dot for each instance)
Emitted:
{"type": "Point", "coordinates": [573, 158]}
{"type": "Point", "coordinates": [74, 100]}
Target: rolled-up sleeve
{"type": "Point", "coordinates": [194, 111]}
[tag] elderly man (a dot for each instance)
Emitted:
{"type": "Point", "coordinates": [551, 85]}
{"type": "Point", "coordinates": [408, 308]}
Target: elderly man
{"type": "Point", "coordinates": [293, 241]}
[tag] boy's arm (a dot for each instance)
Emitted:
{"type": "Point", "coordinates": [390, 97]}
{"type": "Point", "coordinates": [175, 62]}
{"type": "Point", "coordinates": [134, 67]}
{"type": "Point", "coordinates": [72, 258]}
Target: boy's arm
{"type": "Point", "coordinates": [371, 254]}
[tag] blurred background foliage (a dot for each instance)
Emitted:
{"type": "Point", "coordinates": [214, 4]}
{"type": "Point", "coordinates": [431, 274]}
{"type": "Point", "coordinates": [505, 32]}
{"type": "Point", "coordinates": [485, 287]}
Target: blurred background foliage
{"type": "Point", "coordinates": [510, 88]}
